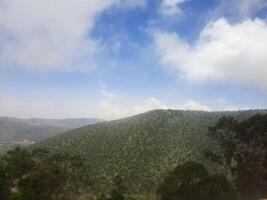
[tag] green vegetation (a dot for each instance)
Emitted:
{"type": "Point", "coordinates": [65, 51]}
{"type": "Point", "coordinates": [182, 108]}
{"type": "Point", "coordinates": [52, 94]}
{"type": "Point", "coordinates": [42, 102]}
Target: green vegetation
{"type": "Point", "coordinates": [40, 175]}
{"type": "Point", "coordinates": [217, 158]}
{"type": "Point", "coordinates": [143, 148]}
{"type": "Point", "coordinates": [191, 181]}
{"type": "Point", "coordinates": [118, 189]}
{"type": "Point", "coordinates": [243, 148]}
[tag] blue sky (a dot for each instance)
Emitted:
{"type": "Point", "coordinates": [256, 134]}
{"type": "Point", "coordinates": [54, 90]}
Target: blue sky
{"type": "Point", "coordinates": [115, 58]}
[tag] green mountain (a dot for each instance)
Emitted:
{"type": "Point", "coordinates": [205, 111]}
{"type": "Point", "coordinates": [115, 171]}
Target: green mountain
{"type": "Point", "coordinates": [142, 148]}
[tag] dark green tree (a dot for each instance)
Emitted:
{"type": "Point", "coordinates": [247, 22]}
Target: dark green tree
{"type": "Point", "coordinates": [191, 181]}
{"type": "Point", "coordinates": [217, 187]}
{"type": "Point", "coordinates": [41, 175]}
{"type": "Point", "coordinates": [4, 182]}
{"type": "Point", "coordinates": [102, 196]}
{"type": "Point", "coordinates": [118, 191]}
{"type": "Point", "coordinates": [244, 150]}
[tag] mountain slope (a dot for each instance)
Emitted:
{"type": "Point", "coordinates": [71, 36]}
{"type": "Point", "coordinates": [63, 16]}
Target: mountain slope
{"type": "Point", "coordinates": [69, 123]}
{"type": "Point", "coordinates": [141, 148]}
{"type": "Point", "coordinates": [14, 131]}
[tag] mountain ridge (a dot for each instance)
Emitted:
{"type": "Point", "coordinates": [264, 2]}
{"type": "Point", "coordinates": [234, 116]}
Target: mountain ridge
{"type": "Point", "coordinates": [144, 147]}
{"type": "Point", "coordinates": [65, 122]}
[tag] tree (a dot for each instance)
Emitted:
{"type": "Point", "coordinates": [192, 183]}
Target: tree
{"type": "Point", "coordinates": [4, 182]}
{"type": "Point", "coordinates": [41, 175]}
{"type": "Point", "coordinates": [244, 149]}
{"type": "Point", "coordinates": [216, 187]}
{"type": "Point", "coordinates": [118, 191]}
{"type": "Point", "coordinates": [191, 181]}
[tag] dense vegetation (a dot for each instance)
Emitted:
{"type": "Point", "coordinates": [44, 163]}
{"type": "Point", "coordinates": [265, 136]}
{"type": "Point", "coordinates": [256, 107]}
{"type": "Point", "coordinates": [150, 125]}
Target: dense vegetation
{"type": "Point", "coordinates": [243, 148]}
{"type": "Point", "coordinates": [143, 148]}
{"type": "Point", "coordinates": [40, 175]}
{"type": "Point", "coordinates": [191, 181]}
{"type": "Point", "coordinates": [43, 175]}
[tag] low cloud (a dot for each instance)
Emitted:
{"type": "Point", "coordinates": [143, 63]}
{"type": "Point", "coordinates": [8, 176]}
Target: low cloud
{"type": "Point", "coordinates": [151, 104]}
{"type": "Point", "coordinates": [112, 111]}
{"type": "Point", "coordinates": [54, 105]}
{"type": "Point", "coordinates": [223, 51]}
{"type": "Point", "coordinates": [193, 105]}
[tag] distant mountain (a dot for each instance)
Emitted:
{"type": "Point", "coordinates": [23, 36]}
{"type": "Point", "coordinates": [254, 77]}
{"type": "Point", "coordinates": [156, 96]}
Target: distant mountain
{"type": "Point", "coordinates": [14, 131]}
{"type": "Point", "coordinates": [142, 148]}
{"type": "Point", "coordinates": [70, 123]}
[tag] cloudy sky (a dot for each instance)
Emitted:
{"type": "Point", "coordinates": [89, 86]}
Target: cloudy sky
{"type": "Point", "coordinates": [114, 58]}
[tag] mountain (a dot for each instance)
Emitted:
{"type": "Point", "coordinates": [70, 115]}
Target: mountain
{"type": "Point", "coordinates": [14, 131]}
{"type": "Point", "coordinates": [69, 123]}
{"type": "Point", "coordinates": [142, 148]}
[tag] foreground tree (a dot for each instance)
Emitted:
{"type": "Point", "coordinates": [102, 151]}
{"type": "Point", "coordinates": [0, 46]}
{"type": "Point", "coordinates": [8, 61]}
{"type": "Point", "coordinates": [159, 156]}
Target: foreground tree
{"type": "Point", "coordinates": [41, 175]}
{"type": "Point", "coordinates": [191, 181]}
{"type": "Point", "coordinates": [244, 149]}
{"type": "Point", "coordinates": [4, 183]}
{"type": "Point", "coordinates": [118, 189]}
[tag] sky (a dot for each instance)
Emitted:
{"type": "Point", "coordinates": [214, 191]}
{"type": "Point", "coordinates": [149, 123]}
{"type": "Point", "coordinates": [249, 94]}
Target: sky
{"type": "Point", "coordinates": [116, 58]}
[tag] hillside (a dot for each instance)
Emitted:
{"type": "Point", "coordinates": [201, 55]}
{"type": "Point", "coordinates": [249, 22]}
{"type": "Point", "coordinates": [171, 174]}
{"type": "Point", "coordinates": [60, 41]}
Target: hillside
{"type": "Point", "coordinates": [141, 148]}
{"type": "Point", "coordinates": [69, 123]}
{"type": "Point", "coordinates": [14, 131]}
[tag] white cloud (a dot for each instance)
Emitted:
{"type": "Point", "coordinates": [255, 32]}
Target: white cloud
{"type": "Point", "coordinates": [222, 52]}
{"type": "Point", "coordinates": [52, 104]}
{"type": "Point", "coordinates": [151, 104]}
{"type": "Point", "coordinates": [51, 34]}
{"type": "Point", "coordinates": [107, 93]}
{"type": "Point", "coordinates": [134, 3]}
{"type": "Point", "coordinates": [193, 105]}
{"type": "Point", "coordinates": [112, 111]}
{"type": "Point", "coordinates": [242, 8]}
{"type": "Point", "coordinates": [171, 7]}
